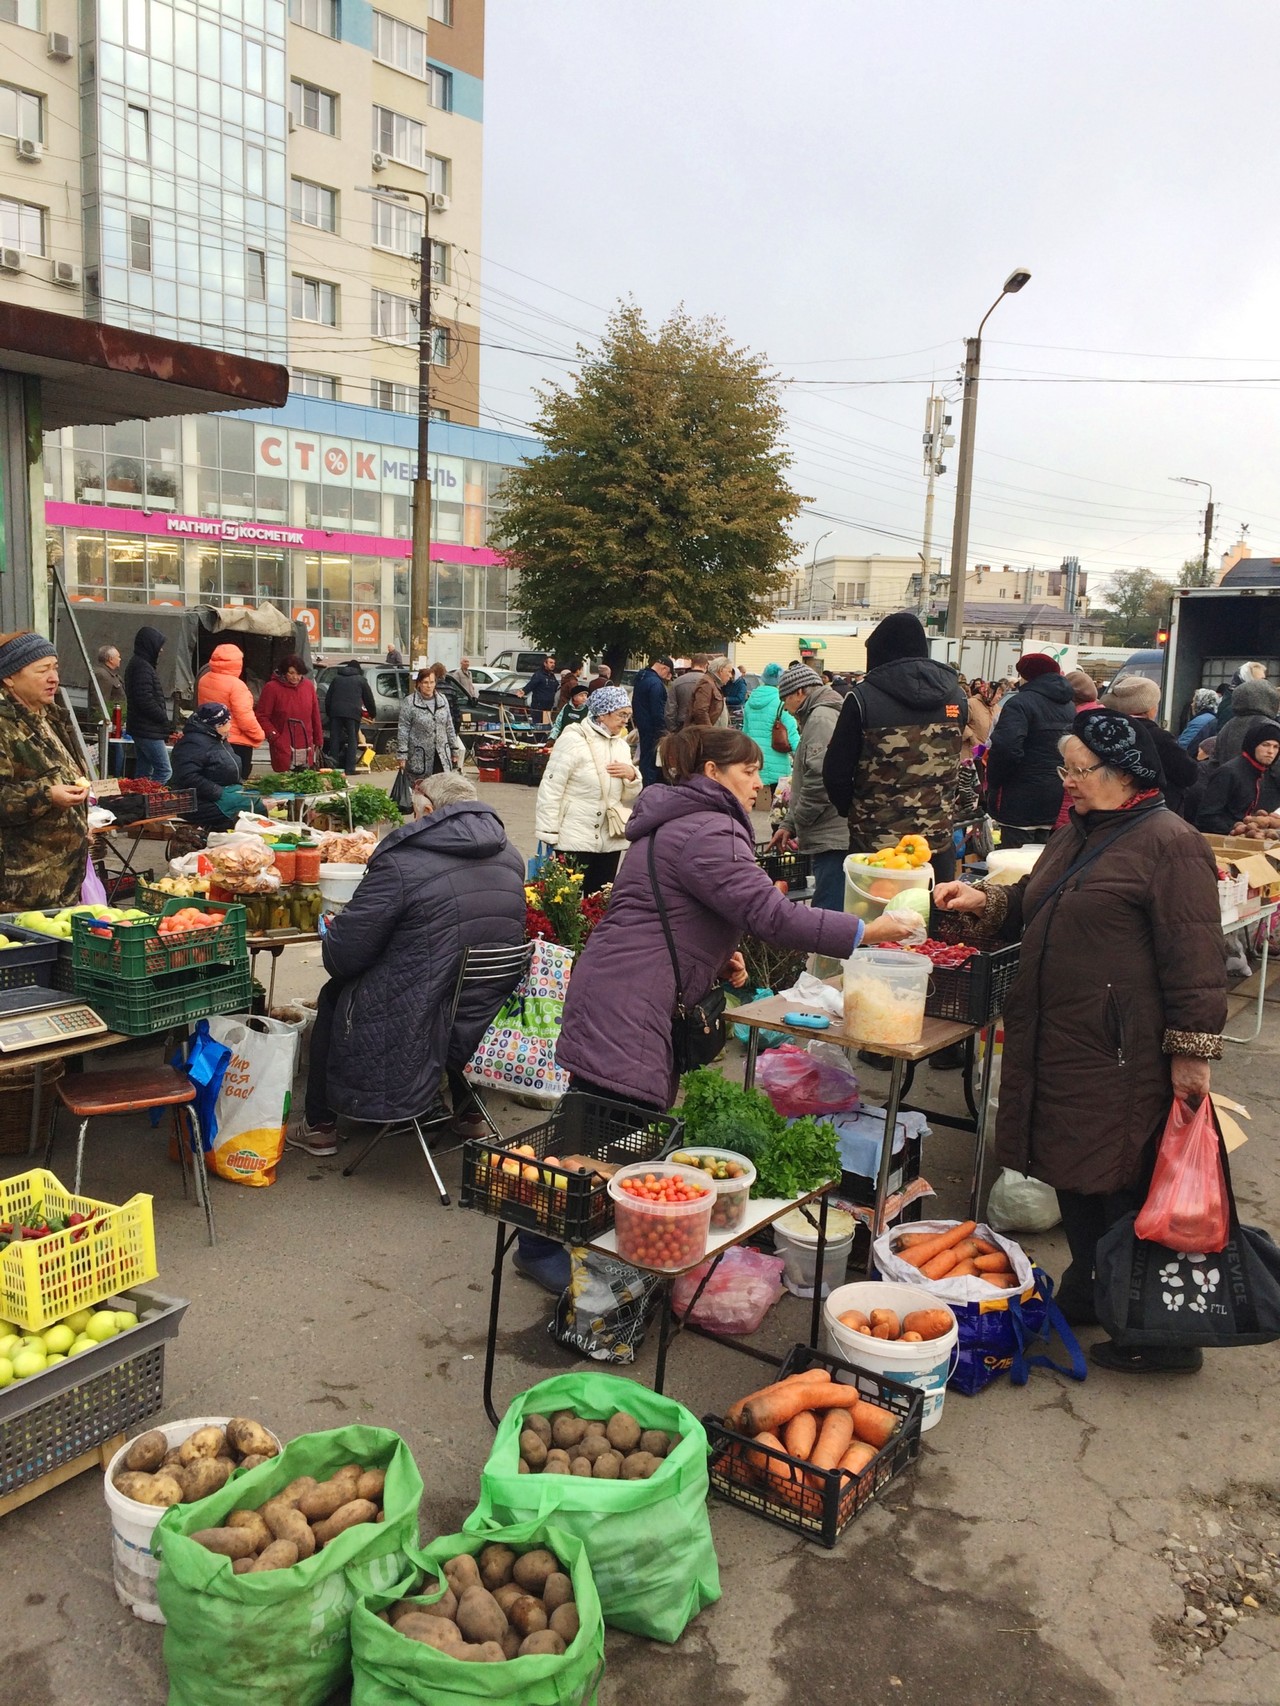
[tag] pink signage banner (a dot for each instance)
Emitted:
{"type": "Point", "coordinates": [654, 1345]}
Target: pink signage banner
{"type": "Point", "coordinates": [216, 531]}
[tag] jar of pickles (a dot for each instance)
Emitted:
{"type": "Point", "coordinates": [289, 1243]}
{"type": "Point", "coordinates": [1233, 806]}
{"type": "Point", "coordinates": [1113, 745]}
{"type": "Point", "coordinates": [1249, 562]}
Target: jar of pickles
{"type": "Point", "coordinates": [306, 903]}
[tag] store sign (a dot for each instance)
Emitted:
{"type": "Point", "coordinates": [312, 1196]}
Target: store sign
{"type": "Point", "coordinates": [194, 527]}
{"type": "Point", "coordinates": [366, 627]}
{"type": "Point", "coordinates": [309, 456]}
{"type": "Point", "coordinates": [310, 620]}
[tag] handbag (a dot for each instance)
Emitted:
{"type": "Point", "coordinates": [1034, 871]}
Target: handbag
{"type": "Point", "coordinates": [1147, 1294]}
{"type": "Point", "coordinates": [779, 739]}
{"type": "Point", "coordinates": [697, 1028]}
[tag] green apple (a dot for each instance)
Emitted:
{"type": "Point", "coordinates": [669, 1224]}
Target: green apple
{"type": "Point", "coordinates": [6, 1371]}
{"type": "Point", "coordinates": [83, 1343]}
{"type": "Point", "coordinates": [125, 1318]}
{"type": "Point", "coordinates": [33, 1342]}
{"type": "Point", "coordinates": [54, 1356]}
{"type": "Point", "coordinates": [58, 1338]}
{"type": "Point", "coordinates": [79, 1320]}
{"type": "Point", "coordinates": [27, 1363]}
{"type": "Point", "coordinates": [102, 1325]}
{"type": "Point", "coordinates": [9, 1344]}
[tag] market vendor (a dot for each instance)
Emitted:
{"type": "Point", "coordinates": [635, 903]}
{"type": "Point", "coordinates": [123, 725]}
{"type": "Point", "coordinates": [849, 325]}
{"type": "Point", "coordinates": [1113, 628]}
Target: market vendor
{"type": "Point", "coordinates": [205, 764]}
{"type": "Point", "coordinates": [44, 833]}
{"type": "Point", "coordinates": [381, 1043]}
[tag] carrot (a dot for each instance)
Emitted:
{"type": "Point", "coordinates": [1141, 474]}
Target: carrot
{"type": "Point", "coordinates": [856, 1459]}
{"type": "Point", "coordinates": [929, 1323]}
{"type": "Point", "coordinates": [834, 1440]}
{"type": "Point", "coordinates": [873, 1425]}
{"type": "Point", "coordinates": [758, 1461]}
{"type": "Point", "coordinates": [987, 1248]}
{"type": "Point", "coordinates": [968, 1250]}
{"type": "Point", "coordinates": [800, 1433]}
{"type": "Point", "coordinates": [909, 1240]}
{"type": "Point", "coordinates": [962, 1270]}
{"type": "Point", "coordinates": [1001, 1282]}
{"type": "Point", "coordinates": [813, 1376]}
{"type": "Point", "coordinates": [770, 1413]}
{"type": "Point", "coordinates": [991, 1264]}
{"type": "Point", "coordinates": [920, 1253]}
{"type": "Point", "coordinates": [937, 1267]}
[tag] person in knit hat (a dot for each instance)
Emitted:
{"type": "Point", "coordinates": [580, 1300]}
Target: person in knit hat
{"type": "Point", "coordinates": [1024, 790]}
{"type": "Point", "coordinates": [1245, 787]}
{"type": "Point", "coordinates": [893, 763]}
{"type": "Point", "coordinates": [817, 827]}
{"type": "Point", "coordinates": [204, 764]}
{"type": "Point", "coordinates": [44, 835]}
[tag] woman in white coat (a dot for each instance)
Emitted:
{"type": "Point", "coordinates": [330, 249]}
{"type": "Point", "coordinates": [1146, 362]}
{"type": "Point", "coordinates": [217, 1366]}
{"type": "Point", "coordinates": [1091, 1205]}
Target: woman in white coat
{"type": "Point", "coordinates": [585, 797]}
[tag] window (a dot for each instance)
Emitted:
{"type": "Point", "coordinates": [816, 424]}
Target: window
{"type": "Point", "coordinates": [440, 89]}
{"type": "Point", "coordinates": [397, 227]}
{"type": "Point", "coordinates": [137, 133]}
{"type": "Point", "coordinates": [439, 415]}
{"type": "Point", "coordinates": [439, 174]}
{"type": "Point", "coordinates": [441, 346]}
{"type": "Point", "coordinates": [395, 318]}
{"type": "Point", "coordinates": [314, 299]}
{"type": "Point", "coordinates": [400, 45]}
{"type": "Point", "coordinates": [399, 137]}
{"type": "Point", "coordinates": [255, 275]}
{"type": "Point", "coordinates": [255, 169]}
{"type": "Point", "coordinates": [399, 399]}
{"type": "Point", "coordinates": [313, 204]}
{"type": "Point", "coordinates": [439, 263]}
{"type": "Point", "coordinates": [139, 243]}
{"type": "Point", "coordinates": [440, 10]}
{"type": "Point", "coordinates": [312, 108]}
{"type": "Point", "coordinates": [318, 15]}
{"type": "Point", "coordinates": [304, 384]}
{"type": "Point", "coordinates": [24, 12]}
{"type": "Point", "coordinates": [21, 226]}
{"type": "Point", "coordinates": [21, 114]}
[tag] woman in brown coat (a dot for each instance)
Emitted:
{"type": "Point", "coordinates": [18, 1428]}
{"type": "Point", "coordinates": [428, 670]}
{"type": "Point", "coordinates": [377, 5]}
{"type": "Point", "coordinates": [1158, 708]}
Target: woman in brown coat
{"type": "Point", "coordinates": [1119, 1001]}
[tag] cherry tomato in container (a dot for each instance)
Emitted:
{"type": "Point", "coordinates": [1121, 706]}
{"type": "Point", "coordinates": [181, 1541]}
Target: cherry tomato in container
{"type": "Point", "coordinates": [662, 1215]}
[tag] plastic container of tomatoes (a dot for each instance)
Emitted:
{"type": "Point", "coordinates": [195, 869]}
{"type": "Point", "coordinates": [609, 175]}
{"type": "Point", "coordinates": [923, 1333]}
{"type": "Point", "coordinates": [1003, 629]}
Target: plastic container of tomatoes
{"type": "Point", "coordinates": [662, 1215]}
{"type": "Point", "coordinates": [732, 1177]}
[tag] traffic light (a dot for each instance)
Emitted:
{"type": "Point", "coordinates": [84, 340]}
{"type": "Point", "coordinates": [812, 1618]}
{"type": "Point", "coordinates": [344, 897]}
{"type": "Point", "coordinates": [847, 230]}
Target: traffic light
{"type": "Point", "coordinates": [1162, 636]}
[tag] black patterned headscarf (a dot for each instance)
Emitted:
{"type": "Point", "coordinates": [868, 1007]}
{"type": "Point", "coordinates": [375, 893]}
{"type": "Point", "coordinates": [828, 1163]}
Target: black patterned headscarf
{"type": "Point", "coordinates": [1122, 743]}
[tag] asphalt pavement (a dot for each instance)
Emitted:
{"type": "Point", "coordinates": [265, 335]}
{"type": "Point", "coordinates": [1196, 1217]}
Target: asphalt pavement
{"type": "Point", "coordinates": [1049, 1547]}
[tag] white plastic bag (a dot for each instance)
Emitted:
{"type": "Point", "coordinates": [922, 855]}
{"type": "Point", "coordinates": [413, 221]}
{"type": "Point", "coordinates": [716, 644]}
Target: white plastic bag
{"type": "Point", "coordinates": [253, 1103]}
{"type": "Point", "coordinates": [952, 1291]}
{"type": "Point", "coordinates": [1021, 1204]}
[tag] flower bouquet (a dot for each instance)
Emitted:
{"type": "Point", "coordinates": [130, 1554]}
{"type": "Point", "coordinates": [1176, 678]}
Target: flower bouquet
{"type": "Point", "coordinates": [555, 909]}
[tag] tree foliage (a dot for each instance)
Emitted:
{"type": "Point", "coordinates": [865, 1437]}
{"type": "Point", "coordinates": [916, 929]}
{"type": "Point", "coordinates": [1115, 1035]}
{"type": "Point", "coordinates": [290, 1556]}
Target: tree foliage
{"type": "Point", "coordinates": [1137, 605]}
{"type": "Point", "coordinates": [656, 518]}
{"type": "Point", "coordinates": [1196, 572]}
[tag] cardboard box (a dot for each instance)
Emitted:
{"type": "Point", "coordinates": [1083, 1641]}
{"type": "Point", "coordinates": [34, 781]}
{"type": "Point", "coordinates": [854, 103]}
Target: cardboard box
{"type": "Point", "coordinates": [1246, 856]}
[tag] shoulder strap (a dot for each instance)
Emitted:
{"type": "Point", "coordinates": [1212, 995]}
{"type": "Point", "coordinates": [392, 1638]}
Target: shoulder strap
{"type": "Point", "coordinates": [662, 914]}
{"type": "Point", "coordinates": [1078, 865]}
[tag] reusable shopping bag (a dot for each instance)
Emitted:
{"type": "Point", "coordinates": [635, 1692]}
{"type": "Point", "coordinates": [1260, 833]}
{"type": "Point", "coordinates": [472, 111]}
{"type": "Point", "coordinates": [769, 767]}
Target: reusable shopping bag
{"type": "Point", "coordinates": [605, 1308]}
{"type": "Point", "coordinates": [518, 1051]}
{"type": "Point", "coordinates": [280, 1636]}
{"type": "Point", "coordinates": [253, 1102]}
{"type": "Point", "coordinates": [391, 1670]}
{"type": "Point", "coordinates": [648, 1542]}
{"type": "Point", "coordinates": [1186, 1207]}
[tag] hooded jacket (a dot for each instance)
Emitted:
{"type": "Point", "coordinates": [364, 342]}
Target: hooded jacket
{"type": "Point", "coordinates": [761, 711]}
{"type": "Point", "coordinates": [448, 882]}
{"type": "Point", "coordinates": [348, 694]}
{"type": "Point", "coordinates": [570, 808]}
{"type": "Point", "coordinates": [204, 763]}
{"type": "Point", "coordinates": [617, 1015]}
{"type": "Point", "coordinates": [818, 826]}
{"type": "Point", "coordinates": [290, 717]}
{"type": "Point", "coordinates": [221, 684]}
{"type": "Point", "coordinates": [1239, 789]}
{"type": "Point", "coordinates": [1251, 703]}
{"type": "Point", "coordinates": [1023, 785]}
{"type": "Point", "coordinates": [649, 707]}
{"type": "Point", "coordinates": [146, 710]}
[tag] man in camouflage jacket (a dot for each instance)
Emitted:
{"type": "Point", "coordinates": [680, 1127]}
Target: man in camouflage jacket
{"type": "Point", "coordinates": [42, 846]}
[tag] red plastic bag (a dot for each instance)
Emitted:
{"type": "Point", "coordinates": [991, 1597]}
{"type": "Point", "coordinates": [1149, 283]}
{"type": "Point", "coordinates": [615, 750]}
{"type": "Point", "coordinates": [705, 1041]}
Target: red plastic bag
{"type": "Point", "coordinates": [1186, 1208]}
{"type": "Point", "coordinates": [741, 1292]}
{"type": "Point", "coordinates": [799, 1081]}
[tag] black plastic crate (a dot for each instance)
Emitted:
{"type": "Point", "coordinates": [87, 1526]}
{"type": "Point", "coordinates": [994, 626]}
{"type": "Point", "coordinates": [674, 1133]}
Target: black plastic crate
{"type": "Point", "coordinates": [974, 993]}
{"type": "Point", "coordinates": [524, 764]}
{"type": "Point", "coordinates": [903, 1171]}
{"type": "Point", "coordinates": [818, 1503]}
{"type": "Point", "coordinates": [570, 1207]}
{"type": "Point", "coordinates": [29, 962]}
{"type": "Point", "coordinates": [784, 864]}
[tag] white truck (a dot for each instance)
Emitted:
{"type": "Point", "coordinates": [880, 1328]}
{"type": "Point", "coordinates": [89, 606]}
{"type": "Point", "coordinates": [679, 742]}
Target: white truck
{"type": "Point", "coordinates": [1212, 631]}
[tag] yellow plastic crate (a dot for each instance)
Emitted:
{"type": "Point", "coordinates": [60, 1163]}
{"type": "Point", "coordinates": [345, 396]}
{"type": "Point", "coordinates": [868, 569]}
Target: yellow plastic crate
{"type": "Point", "coordinates": [43, 1279]}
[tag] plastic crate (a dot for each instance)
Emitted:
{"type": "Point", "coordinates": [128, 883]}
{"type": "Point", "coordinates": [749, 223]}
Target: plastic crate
{"type": "Point", "coordinates": [50, 1419]}
{"type": "Point", "coordinates": [30, 964]}
{"type": "Point", "coordinates": [524, 764]}
{"type": "Point", "coordinates": [138, 1008]}
{"type": "Point", "coordinates": [975, 993]}
{"type": "Point", "coordinates": [820, 1504]}
{"type": "Point", "coordinates": [60, 975]}
{"type": "Point", "coordinates": [784, 864]}
{"type": "Point", "coordinates": [570, 1207]}
{"type": "Point", "coordinates": [43, 1279]}
{"type": "Point", "coordinates": [904, 1170]}
{"type": "Point", "coordinates": [137, 950]}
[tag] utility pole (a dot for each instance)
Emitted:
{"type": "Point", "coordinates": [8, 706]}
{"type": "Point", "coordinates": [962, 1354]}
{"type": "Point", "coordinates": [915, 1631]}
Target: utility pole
{"type": "Point", "coordinates": [813, 567]}
{"type": "Point", "coordinates": [1182, 480]}
{"type": "Point", "coordinates": [936, 440]}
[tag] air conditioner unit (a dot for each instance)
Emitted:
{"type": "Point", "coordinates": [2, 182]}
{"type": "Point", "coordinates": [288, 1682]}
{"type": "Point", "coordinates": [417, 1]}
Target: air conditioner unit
{"type": "Point", "coordinates": [59, 47]}
{"type": "Point", "coordinates": [439, 203]}
{"type": "Point", "coordinates": [12, 260]}
{"type": "Point", "coordinates": [26, 149]}
{"type": "Point", "coordinates": [292, 123]}
{"type": "Point", "coordinates": [66, 273]}
{"type": "Point", "coordinates": [380, 162]}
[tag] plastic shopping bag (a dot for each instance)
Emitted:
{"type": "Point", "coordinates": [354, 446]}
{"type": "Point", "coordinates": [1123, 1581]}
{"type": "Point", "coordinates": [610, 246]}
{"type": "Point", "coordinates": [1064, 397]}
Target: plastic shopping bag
{"type": "Point", "coordinates": [740, 1293]}
{"type": "Point", "coordinates": [605, 1308]}
{"type": "Point", "coordinates": [816, 1080]}
{"type": "Point", "coordinates": [253, 1101]}
{"type": "Point", "coordinates": [92, 892]}
{"type": "Point", "coordinates": [1186, 1207]}
{"type": "Point", "coordinates": [518, 1051]}
{"type": "Point", "coordinates": [1019, 1203]}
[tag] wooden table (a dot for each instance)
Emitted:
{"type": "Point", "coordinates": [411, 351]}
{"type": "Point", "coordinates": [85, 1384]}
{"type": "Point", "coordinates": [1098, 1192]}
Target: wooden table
{"type": "Point", "coordinates": [937, 1034]}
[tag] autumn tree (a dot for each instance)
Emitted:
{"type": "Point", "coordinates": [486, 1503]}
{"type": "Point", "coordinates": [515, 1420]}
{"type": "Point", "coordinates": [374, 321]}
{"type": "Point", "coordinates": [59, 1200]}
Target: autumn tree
{"type": "Point", "coordinates": [1137, 605]}
{"type": "Point", "coordinates": [655, 519]}
{"type": "Point", "coordinates": [1196, 572]}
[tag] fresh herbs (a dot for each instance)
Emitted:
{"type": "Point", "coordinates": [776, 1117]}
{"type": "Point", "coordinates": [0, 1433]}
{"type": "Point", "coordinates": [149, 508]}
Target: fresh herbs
{"type": "Point", "coordinates": [300, 782]}
{"type": "Point", "coordinates": [799, 1158]}
{"type": "Point", "coordinates": [790, 1159]}
{"type": "Point", "coordinates": [370, 805]}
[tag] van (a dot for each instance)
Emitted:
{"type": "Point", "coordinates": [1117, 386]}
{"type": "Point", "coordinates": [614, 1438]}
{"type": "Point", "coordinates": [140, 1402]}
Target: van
{"type": "Point", "coordinates": [518, 663]}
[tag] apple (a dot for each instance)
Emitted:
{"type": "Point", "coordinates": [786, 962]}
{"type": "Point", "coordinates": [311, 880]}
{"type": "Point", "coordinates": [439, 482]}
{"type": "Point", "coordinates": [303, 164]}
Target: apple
{"type": "Point", "coordinates": [79, 1319]}
{"type": "Point", "coordinates": [27, 1363]}
{"type": "Point", "coordinates": [9, 1344]}
{"type": "Point", "coordinates": [125, 1318]}
{"type": "Point", "coordinates": [54, 1356]}
{"type": "Point", "coordinates": [102, 1325]}
{"type": "Point", "coordinates": [58, 1338]}
{"type": "Point", "coordinates": [6, 1371]}
{"type": "Point", "coordinates": [83, 1343]}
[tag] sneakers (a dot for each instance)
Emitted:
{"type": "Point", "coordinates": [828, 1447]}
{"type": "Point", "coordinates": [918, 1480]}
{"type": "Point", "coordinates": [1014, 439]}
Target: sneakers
{"type": "Point", "coordinates": [315, 1139]}
{"type": "Point", "coordinates": [1154, 1360]}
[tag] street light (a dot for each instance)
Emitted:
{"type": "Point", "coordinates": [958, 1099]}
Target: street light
{"type": "Point", "coordinates": [964, 472]}
{"type": "Point", "coordinates": [1183, 480]}
{"type": "Point", "coordinates": [420, 561]}
{"type": "Point", "coordinates": [813, 566]}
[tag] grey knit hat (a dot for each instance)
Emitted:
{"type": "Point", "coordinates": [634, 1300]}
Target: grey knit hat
{"type": "Point", "coordinates": [798, 676]}
{"type": "Point", "coordinates": [21, 649]}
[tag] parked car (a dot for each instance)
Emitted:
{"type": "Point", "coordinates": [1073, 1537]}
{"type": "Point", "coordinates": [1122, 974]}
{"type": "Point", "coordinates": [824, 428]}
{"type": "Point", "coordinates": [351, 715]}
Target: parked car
{"type": "Point", "coordinates": [505, 693]}
{"type": "Point", "coordinates": [389, 687]}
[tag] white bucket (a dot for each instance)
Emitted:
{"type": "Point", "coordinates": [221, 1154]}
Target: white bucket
{"type": "Point", "coordinates": [1011, 864]}
{"type": "Point", "coordinates": [339, 882]}
{"type": "Point", "coordinates": [927, 1365]}
{"type": "Point", "coordinates": [797, 1243]}
{"type": "Point", "coordinates": [134, 1566]}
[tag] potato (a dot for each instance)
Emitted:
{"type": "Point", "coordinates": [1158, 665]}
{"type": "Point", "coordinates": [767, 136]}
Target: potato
{"type": "Point", "coordinates": [435, 1632]}
{"type": "Point", "coordinates": [508, 1594]}
{"type": "Point", "coordinates": [280, 1555]}
{"type": "Point", "coordinates": [638, 1466]}
{"type": "Point", "coordinates": [623, 1431]}
{"type": "Point", "coordinates": [542, 1641]}
{"type": "Point", "coordinates": [567, 1431]}
{"type": "Point", "coordinates": [140, 1487]}
{"type": "Point", "coordinates": [147, 1452]}
{"type": "Point", "coordinates": [532, 1570]}
{"type": "Point", "coordinates": [556, 1590]}
{"type": "Point", "coordinates": [286, 1523]}
{"type": "Point", "coordinates": [371, 1484]}
{"type": "Point", "coordinates": [252, 1461]}
{"type": "Point", "coordinates": [557, 1463]}
{"type": "Point", "coordinates": [319, 1502]}
{"type": "Point", "coordinates": [462, 1573]}
{"type": "Point", "coordinates": [446, 1606]}
{"type": "Point", "coordinates": [168, 1488]}
{"type": "Point", "coordinates": [250, 1439]}
{"type": "Point", "coordinates": [495, 1565]}
{"type": "Point", "coordinates": [885, 1324]}
{"type": "Point", "coordinates": [557, 1414]}
{"type": "Point", "coordinates": [204, 1442]}
{"type": "Point", "coordinates": [564, 1621]}
{"type": "Point", "coordinates": [480, 1617]}
{"type": "Point", "coordinates": [510, 1644]}
{"type": "Point", "coordinates": [524, 1468]}
{"type": "Point", "coordinates": [242, 1566]}
{"type": "Point", "coordinates": [171, 1457]}
{"type": "Point", "coordinates": [539, 1425]}
{"type": "Point", "coordinates": [227, 1542]}
{"type": "Point", "coordinates": [252, 1520]}
{"type": "Point", "coordinates": [593, 1446]}
{"type": "Point", "coordinates": [296, 1488]}
{"type": "Point", "coordinates": [347, 1516]}
{"type": "Point", "coordinates": [581, 1466]}
{"type": "Point", "coordinates": [206, 1475]}
{"type": "Point", "coordinates": [655, 1442]}
{"type": "Point", "coordinates": [485, 1653]}
{"type": "Point", "coordinates": [533, 1448]}
{"type": "Point", "coordinates": [608, 1466]}
{"type": "Point", "coordinates": [598, 1430]}
{"type": "Point", "coordinates": [527, 1615]}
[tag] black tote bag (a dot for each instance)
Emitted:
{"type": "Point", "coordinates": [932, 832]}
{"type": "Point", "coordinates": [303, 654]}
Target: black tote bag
{"type": "Point", "coordinates": [1147, 1295]}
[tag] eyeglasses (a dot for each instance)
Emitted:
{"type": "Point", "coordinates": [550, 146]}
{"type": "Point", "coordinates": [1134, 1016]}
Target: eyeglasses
{"type": "Point", "coordinates": [1077, 773]}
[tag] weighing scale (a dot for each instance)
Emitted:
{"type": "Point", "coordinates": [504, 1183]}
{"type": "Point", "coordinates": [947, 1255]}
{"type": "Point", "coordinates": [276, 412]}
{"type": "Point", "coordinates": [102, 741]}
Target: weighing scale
{"type": "Point", "coordinates": [42, 1018]}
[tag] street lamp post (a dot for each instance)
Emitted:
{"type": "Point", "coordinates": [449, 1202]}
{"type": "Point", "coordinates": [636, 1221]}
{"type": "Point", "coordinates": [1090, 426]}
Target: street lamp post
{"type": "Point", "coordinates": [1182, 480]}
{"type": "Point", "coordinates": [813, 566]}
{"type": "Point", "coordinates": [964, 472]}
{"type": "Point", "coordinates": [420, 561]}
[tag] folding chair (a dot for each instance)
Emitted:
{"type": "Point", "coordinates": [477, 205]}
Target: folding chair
{"type": "Point", "coordinates": [478, 965]}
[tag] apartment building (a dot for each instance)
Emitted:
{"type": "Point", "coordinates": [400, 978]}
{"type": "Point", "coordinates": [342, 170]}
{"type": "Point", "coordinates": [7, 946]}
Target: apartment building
{"type": "Point", "coordinates": [862, 586]}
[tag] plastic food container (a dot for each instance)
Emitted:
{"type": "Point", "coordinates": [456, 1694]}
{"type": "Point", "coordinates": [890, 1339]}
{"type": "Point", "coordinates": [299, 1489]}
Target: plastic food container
{"type": "Point", "coordinates": [870, 890]}
{"type": "Point", "coordinates": [884, 996]}
{"type": "Point", "coordinates": [339, 882]}
{"type": "Point", "coordinates": [732, 1194]}
{"type": "Point", "coordinates": [664, 1236]}
{"type": "Point", "coordinates": [928, 1365]}
{"type": "Point", "coordinates": [797, 1243]}
{"type": "Point", "coordinates": [1011, 864]}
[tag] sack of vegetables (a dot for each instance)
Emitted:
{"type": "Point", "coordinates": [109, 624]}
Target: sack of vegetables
{"type": "Point", "coordinates": [258, 1580]}
{"type": "Point", "coordinates": [625, 1470]}
{"type": "Point", "coordinates": [512, 1617]}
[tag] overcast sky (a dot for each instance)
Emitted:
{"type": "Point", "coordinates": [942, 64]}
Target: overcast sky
{"type": "Point", "coordinates": [847, 185]}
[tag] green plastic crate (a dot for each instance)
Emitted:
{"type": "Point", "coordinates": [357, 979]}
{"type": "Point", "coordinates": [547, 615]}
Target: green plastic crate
{"type": "Point", "coordinates": [137, 1008]}
{"type": "Point", "coordinates": [137, 950]}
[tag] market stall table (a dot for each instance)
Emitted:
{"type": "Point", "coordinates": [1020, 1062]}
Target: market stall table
{"type": "Point", "coordinates": [140, 830]}
{"type": "Point", "coordinates": [274, 942]}
{"type": "Point", "coordinates": [1264, 916]}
